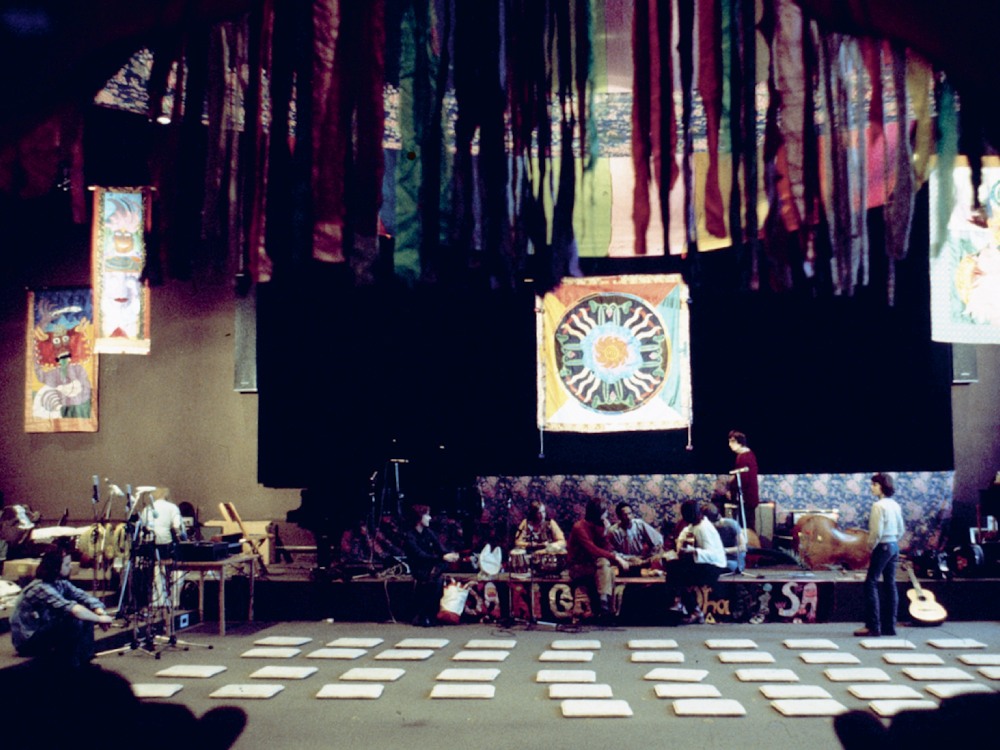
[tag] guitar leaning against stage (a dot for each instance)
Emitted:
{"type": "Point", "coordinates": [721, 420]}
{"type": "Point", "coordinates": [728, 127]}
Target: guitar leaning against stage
{"type": "Point", "coordinates": [924, 608]}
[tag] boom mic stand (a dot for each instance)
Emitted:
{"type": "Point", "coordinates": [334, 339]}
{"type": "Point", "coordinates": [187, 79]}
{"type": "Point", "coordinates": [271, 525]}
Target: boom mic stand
{"type": "Point", "coordinates": [743, 513]}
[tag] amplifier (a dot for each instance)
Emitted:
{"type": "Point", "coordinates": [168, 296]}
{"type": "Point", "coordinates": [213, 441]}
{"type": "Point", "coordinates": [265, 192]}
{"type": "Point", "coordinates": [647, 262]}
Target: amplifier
{"type": "Point", "coordinates": [206, 551]}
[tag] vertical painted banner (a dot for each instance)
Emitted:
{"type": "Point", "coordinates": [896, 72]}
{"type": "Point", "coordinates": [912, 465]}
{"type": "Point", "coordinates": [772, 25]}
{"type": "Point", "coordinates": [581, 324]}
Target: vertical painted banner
{"type": "Point", "coordinates": [614, 355]}
{"type": "Point", "coordinates": [965, 273]}
{"type": "Point", "coordinates": [60, 393]}
{"type": "Point", "coordinates": [118, 256]}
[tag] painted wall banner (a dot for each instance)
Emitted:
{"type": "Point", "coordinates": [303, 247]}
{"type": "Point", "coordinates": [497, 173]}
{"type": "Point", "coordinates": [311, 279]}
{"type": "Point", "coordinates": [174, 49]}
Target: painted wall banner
{"type": "Point", "coordinates": [965, 272]}
{"type": "Point", "coordinates": [614, 355]}
{"type": "Point", "coordinates": [60, 393]}
{"type": "Point", "coordinates": [118, 256]}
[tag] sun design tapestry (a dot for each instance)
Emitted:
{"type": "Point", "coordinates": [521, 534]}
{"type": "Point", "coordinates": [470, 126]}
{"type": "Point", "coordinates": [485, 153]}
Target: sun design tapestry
{"type": "Point", "coordinates": [118, 255]}
{"type": "Point", "coordinates": [61, 383]}
{"type": "Point", "coordinates": [614, 355]}
{"type": "Point", "coordinates": [965, 272]}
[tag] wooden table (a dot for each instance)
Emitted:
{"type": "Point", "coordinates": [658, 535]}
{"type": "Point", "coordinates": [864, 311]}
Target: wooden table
{"type": "Point", "coordinates": [201, 567]}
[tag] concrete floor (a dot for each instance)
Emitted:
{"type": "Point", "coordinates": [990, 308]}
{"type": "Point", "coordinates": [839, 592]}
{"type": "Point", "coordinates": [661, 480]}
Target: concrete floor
{"type": "Point", "coordinates": [521, 714]}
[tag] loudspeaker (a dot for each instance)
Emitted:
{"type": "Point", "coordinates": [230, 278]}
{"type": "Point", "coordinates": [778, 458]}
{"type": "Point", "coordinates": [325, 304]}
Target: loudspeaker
{"type": "Point", "coordinates": [963, 364]}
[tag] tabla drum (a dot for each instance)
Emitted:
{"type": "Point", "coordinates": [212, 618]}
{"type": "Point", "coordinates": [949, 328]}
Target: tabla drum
{"type": "Point", "coordinates": [548, 563]}
{"type": "Point", "coordinates": [517, 562]}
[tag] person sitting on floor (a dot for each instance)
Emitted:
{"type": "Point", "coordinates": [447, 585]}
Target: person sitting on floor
{"type": "Point", "coordinates": [734, 538]}
{"type": "Point", "coordinates": [699, 561]}
{"type": "Point", "coordinates": [589, 554]}
{"type": "Point", "coordinates": [539, 533]}
{"type": "Point", "coordinates": [54, 619]}
{"type": "Point", "coordinates": [634, 538]}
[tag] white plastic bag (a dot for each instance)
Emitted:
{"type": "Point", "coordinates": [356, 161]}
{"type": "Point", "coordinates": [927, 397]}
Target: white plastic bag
{"type": "Point", "coordinates": [453, 602]}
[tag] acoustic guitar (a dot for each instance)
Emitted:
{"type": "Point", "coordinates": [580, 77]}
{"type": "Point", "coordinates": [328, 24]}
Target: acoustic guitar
{"type": "Point", "coordinates": [924, 608]}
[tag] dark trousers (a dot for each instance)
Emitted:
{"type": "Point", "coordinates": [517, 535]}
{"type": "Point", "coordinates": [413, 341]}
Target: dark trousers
{"type": "Point", "coordinates": [882, 601]}
{"type": "Point", "coordinates": [684, 573]}
{"type": "Point", "coordinates": [67, 641]}
{"type": "Point", "coordinates": [427, 590]}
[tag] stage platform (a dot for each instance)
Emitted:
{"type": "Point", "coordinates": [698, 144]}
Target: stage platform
{"type": "Point", "coordinates": [772, 594]}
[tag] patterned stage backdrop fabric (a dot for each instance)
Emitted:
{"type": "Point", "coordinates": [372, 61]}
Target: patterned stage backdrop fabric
{"type": "Point", "coordinates": [614, 355]}
{"type": "Point", "coordinates": [118, 255]}
{"type": "Point", "coordinates": [965, 272]}
{"type": "Point", "coordinates": [60, 393]}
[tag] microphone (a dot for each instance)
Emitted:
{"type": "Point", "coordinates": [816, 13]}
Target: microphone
{"type": "Point", "coordinates": [741, 470]}
{"type": "Point", "coordinates": [95, 496]}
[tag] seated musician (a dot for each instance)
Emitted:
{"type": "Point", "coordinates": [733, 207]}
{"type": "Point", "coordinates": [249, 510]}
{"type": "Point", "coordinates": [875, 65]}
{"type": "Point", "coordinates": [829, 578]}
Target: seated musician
{"type": "Point", "coordinates": [591, 555]}
{"type": "Point", "coordinates": [734, 538]}
{"type": "Point", "coordinates": [538, 533]}
{"type": "Point", "coordinates": [698, 561]}
{"type": "Point", "coordinates": [634, 538]}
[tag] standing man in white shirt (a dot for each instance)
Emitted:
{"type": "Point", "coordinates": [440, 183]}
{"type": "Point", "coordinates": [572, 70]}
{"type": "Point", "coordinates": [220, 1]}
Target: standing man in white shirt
{"type": "Point", "coordinates": [163, 518]}
{"type": "Point", "coordinates": [885, 529]}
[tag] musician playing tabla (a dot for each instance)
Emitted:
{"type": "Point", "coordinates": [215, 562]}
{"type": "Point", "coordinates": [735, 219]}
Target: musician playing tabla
{"type": "Point", "coordinates": [538, 533]}
{"type": "Point", "coordinates": [633, 537]}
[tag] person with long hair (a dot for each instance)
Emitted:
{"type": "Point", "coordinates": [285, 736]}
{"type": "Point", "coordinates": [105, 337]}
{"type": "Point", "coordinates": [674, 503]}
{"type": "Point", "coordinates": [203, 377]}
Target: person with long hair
{"type": "Point", "coordinates": [53, 618]}
{"type": "Point", "coordinates": [426, 557]}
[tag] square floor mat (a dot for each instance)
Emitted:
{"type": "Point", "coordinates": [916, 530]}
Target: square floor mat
{"type": "Point", "coordinates": [348, 692]}
{"type": "Point", "coordinates": [657, 657]}
{"type": "Point", "coordinates": [990, 673]}
{"type": "Point", "coordinates": [891, 708]}
{"type": "Point", "coordinates": [573, 656]}
{"type": "Point", "coordinates": [796, 692]}
{"type": "Point", "coordinates": [730, 643]}
{"type": "Point", "coordinates": [932, 674]}
{"type": "Point", "coordinates": [249, 692]}
{"type": "Point", "coordinates": [491, 643]}
{"type": "Point", "coordinates": [881, 644]}
{"type": "Point", "coordinates": [955, 643]}
{"type": "Point", "coordinates": [652, 643]}
{"type": "Point", "coordinates": [404, 654]}
{"type": "Point", "coordinates": [576, 645]}
{"type": "Point", "coordinates": [856, 674]}
{"type": "Point", "coordinates": [200, 671]}
{"type": "Point", "coordinates": [356, 642]}
{"type": "Point", "coordinates": [373, 674]}
{"type": "Point", "coordinates": [566, 690]}
{"type": "Point", "coordinates": [912, 659]}
{"type": "Point", "coordinates": [463, 690]}
{"type": "Point", "coordinates": [811, 643]}
{"type": "Point", "coordinates": [829, 657]}
{"type": "Point", "coordinates": [271, 652]}
{"type": "Point", "coordinates": [745, 657]}
{"type": "Point", "coordinates": [155, 689]}
{"type": "Point", "coordinates": [422, 643]}
{"type": "Point", "coordinates": [980, 660]}
{"type": "Point", "coordinates": [480, 655]}
{"type": "Point", "coordinates": [766, 675]}
{"type": "Point", "coordinates": [284, 673]}
{"type": "Point", "coordinates": [566, 675]}
{"type": "Point", "coordinates": [337, 653]}
{"type": "Point", "coordinates": [282, 640]}
{"type": "Point", "coordinates": [675, 674]}
{"type": "Point", "coordinates": [468, 675]}
{"type": "Point", "coordinates": [595, 709]}
{"type": "Point", "coordinates": [808, 707]}
{"type": "Point", "coordinates": [951, 689]}
{"type": "Point", "coordinates": [708, 707]}
{"type": "Point", "coordinates": [884, 692]}
{"type": "Point", "coordinates": [675, 690]}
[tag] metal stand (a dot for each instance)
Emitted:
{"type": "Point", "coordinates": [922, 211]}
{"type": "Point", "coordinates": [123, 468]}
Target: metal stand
{"type": "Point", "coordinates": [743, 519]}
{"type": "Point", "coordinates": [146, 597]}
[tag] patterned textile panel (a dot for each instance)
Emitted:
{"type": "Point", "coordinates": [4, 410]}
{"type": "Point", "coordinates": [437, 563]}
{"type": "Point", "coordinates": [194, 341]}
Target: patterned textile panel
{"type": "Point", "coordinates": [926, 499]}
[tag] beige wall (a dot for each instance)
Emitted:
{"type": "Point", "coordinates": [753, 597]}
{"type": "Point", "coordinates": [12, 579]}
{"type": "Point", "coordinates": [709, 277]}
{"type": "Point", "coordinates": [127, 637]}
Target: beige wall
{"type": "Point", "coordinates": [170, 418]}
